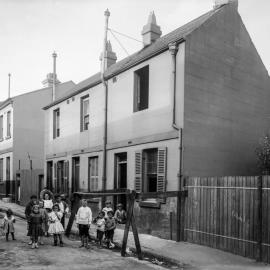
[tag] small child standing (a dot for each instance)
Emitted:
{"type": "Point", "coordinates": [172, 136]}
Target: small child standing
{"type": "Point", "coordinates": [44, 226]}
{"type": "Point", "coordinates": [83, 221]}
{"type": "Point", "coordinates": [120, 214]}
{"type": "Point", "coordinates": [8, 224]}
{"type": "Point", "coordinates": [55, 226]}
{"type": "Point", "coordinates": [109, 229]}
{"type": "Point", "coordinates": [35, 223]}
{"type": "Point", "coordinates": [100, 222]}
{"type": "Point", "coordinates": [107, 208]}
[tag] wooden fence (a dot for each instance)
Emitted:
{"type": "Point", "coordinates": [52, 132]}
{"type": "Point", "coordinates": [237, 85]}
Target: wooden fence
{"type": "Point", "coordinates": [231, 214]}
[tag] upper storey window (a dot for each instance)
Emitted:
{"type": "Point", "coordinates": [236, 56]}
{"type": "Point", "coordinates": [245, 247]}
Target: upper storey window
{"type": "Point", "coordinates": [85, 113]}
{"type": "Point", "coordinates": [1, 128]}
{"type": "Point", "coordinates": [141, 89]}
{"type": "Point", "coordinates": [8, 124]}
{"type": "Point", "coordinates": [56, 123]}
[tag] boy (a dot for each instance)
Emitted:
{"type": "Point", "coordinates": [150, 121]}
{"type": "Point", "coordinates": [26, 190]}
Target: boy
{"type": "Point", "coordinates": [100, 222]}
{"type": "Point", "coordinates": [109, 229]}
{"type": "Point", "coordinates": [28, 211]}
{"type": "Point", "coordinates": [120, 214]}
{"type": "Point", "coordinates": [107, 208]}
{"type": "Point", "coordinates": [83, 221]}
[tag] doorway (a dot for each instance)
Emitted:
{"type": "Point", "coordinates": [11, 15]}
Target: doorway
{"type": "Point", "coordinates": [75, 174]}
{"type": "Point", "coordinates": [49, 175]}
{"type": "Point", "coordinates": [120, 181]}
{"type": "Point", "coordinates": [40, 183]}
{"type": "Point", "coordinates": [60, 177]}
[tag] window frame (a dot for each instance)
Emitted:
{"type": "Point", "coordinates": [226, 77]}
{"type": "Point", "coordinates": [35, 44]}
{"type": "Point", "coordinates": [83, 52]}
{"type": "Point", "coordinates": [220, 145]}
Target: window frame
{"type": "Point", "coordinates": [56, 123]}
{"type": "Point", "coordinates": [1, 127]}
{"type": "Point", "coordinates": [8, 124]}
{"type": "Point", "coordinates": [8, 168]}
{"type": "Point", "coordinates": [83, 115]}
{"type": "Point", "coordinates": [139, 84]}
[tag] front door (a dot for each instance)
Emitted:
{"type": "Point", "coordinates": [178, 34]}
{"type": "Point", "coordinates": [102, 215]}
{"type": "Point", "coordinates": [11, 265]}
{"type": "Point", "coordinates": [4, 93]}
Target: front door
{"type": "Point", "coordinates": [49, 175]}
{"type": "Point", "coordinates": [75, 174]}
{"type": "Point", "coordinates": [60, 177]}
{"type": "Point", "coordinates": [120, 177]}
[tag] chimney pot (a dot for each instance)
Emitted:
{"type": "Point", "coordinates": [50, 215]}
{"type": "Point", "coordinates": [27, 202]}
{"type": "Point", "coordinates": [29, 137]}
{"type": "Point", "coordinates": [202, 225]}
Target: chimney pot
{"type": "Point", "coordinates": [151, 31]}
{"type": "Point", "coordinates": [219, 3]}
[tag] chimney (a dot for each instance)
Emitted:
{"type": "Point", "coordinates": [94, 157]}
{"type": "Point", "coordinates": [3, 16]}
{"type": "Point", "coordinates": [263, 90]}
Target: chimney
{"type": "Point", "coordinates": [151, 31]}
{"type": "Point", "coordinates": [110, 57]}
{"type": "Point", "coordinates": [48, 82]}
{"type": "Point", "coordinates": [219, 3]}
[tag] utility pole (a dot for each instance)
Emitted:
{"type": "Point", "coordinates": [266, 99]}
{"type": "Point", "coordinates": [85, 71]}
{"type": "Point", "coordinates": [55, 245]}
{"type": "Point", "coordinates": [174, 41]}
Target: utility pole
{"type": "Point", "coordinates": [105, 85]}
{"type": "Point", "coordinates": [54, 55]}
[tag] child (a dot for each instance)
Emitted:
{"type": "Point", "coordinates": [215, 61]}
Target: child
{"type": "Point", "coordinates": [8, 224]}
{"type": "Point", "coordinates": [28, 212]}
{"type": "Point", "coordinates": [100, 222]}
{"type": "Point", "coordinates": [48, 203]}
{"type": "Point", "coordinates": [44, 225]}
{"type": "Point", "coordinates": [108, 207]}
{"type": "Point", "coordinates": [83, 220]}
{"type": "Point", "coordinates": [35, 223]}
{"type": "Point", "coordinates": [120, 214]}
{"type": "Point", "coordinates": [63, 207]}
{"type": "Point", "coordinates": [55, 226]}
{"type": "Point", "coordinates": [109, 229]}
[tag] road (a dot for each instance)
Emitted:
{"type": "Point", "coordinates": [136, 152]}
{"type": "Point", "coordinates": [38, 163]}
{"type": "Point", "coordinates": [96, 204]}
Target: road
{"type": "Point", "coordinates": [18, 255]}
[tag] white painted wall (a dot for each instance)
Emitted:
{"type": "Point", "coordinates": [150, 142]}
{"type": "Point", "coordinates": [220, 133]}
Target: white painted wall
{"type": "Point", "coordinates": [7, 142]}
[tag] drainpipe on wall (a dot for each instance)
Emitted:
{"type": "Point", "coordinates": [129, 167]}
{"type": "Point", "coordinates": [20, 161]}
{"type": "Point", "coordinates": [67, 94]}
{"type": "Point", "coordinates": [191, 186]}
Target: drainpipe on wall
{"type": "Point", "coordinates": [105, 85]}
{"type": "Point", "coordinates": [173, 48]}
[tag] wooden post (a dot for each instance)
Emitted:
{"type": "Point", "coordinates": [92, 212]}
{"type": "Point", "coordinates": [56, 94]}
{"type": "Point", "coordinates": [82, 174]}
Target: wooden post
{"type": "Point", "coordinates": [171, 226]}
{"type": "Point", "coordinates": [129, 216]}
{"type": "Point", "coordinates": [259, 228]}
{"type": "Point", "coordinates": [136, 238]}
{"type": "Point", "coordinates": [131, 220]}
{"type": "Point", "coordinates": [74, 207]}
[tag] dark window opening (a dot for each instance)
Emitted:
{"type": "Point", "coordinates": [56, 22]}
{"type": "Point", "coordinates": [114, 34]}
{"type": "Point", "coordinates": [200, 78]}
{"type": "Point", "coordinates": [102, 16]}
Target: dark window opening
{"type": "Point", "coordinates": [56, 123]}
{"type": "Point", "coordinates": [141, 89]}
{"type": "Point", "coordinates": [150, 170]}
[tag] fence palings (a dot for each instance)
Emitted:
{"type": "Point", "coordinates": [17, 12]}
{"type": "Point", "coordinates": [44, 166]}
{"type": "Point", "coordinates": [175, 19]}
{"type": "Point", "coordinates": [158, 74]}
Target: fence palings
{"type": "Point", "coordinates": [230, 213]}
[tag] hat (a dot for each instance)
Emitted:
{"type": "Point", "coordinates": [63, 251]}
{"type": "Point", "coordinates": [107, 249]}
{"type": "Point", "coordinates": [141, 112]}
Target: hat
{"type": "Point", "coordinates": [107, 202]}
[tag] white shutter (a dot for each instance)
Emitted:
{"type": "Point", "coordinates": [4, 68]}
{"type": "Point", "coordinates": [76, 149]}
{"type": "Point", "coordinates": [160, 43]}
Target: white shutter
{"type": "Point", "coordinates": [161, 169]}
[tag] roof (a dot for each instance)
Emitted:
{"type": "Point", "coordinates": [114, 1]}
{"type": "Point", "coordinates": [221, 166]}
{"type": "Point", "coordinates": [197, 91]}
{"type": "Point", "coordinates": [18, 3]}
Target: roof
{"type": "Point", "coordinates": [62, 89]}
{"type": "Point", "coordinates": [159, 46]}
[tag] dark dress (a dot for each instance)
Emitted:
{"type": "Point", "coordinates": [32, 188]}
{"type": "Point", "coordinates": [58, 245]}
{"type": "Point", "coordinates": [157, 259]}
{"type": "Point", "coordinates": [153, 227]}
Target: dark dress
{"type": "Point", "coordinates": [35, 226]}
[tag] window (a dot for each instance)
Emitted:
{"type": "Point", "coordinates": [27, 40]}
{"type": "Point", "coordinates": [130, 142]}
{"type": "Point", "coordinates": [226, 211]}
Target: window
{"type": "Point", "coordinates": [8, 168]}
{"type": "Point", "coordinates": [1, 127]}
{"type": "Point", "coordinates": [1, 169]}
{"type": "Point", "coordinates": [56, 123]}
{"type": "Point", "coordinates": [150, 170]}
{"type": "Point", "coordinates": [93, 174]}
{"type": "Point", "coordinates": [141, 89]}
{"type": "Point", "coordinates": [9, 124]}
{"type": "Point", "coordinates": [85, 113]}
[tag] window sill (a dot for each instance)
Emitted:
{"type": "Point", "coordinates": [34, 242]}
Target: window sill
{"type": "Point", "coordinates": [8, 137]}
{"type": "Point", "coordinates": [150, 203]}
{"type": "Point", "coordinates": [141, 111]}
{"type": "Point", "coordinates": [94, 200]}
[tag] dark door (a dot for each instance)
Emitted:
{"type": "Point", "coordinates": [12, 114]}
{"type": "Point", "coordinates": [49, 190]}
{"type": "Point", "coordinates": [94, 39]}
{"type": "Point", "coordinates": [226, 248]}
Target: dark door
{"type": "Point", "coordinates": [40, 183]}
{"type": "Point", "coordinates": [75, 174]}
{"type": "Point", "coordinates": [50, 175]}
{"type": "Point", "coordinates": [120, 177]}
{"type": "Point", "coordinates": [60, 177]}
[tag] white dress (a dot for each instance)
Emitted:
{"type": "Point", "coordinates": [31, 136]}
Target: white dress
{"type": "Point", "coordinates": [55, 226]}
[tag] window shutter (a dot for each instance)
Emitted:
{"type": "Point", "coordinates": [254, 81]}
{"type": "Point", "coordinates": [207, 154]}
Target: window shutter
{"type": "Point", "coordinates": [138, 171]}
{"type": "Point", "coordinates": [161, 169]}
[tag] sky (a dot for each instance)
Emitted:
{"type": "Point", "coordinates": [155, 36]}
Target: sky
{"type": "Point", "coordinates": [30, 30]}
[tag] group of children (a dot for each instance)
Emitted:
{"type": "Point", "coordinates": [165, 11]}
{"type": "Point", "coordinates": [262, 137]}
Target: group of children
{"type": "Point", "coordinates": [45, 217]}
{"type": "Point", "coordinates": [105, 223]}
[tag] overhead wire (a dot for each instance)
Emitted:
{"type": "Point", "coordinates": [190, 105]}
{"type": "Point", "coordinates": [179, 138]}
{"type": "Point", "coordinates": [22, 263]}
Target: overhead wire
{"type": "Point", "coordinates": [124, 35]}
{"type": "Point", "coordinates": [121, 45]}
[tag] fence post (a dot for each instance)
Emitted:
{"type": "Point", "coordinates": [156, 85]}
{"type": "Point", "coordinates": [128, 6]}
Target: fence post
{"type": "Point", "coordinates": [74, 209]}
{"type": "Point", "coordinates": [259, 228]}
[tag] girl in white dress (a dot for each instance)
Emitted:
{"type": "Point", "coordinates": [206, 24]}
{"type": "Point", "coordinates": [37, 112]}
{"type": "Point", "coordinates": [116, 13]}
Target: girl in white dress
{"type": "Point", "coordinates": [55, 226]}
